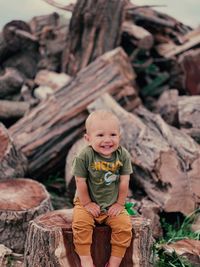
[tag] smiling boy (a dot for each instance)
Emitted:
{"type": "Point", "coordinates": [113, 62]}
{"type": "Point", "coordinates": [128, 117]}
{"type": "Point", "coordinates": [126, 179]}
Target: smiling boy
{"type": "Point", "coordinates": [102, 172]}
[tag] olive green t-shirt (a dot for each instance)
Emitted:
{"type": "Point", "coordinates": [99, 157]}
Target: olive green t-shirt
{"type": "Point", "coordinates": [102, 174]}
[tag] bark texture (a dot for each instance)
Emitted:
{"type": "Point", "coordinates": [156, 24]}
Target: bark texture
{"type": "Point", "coordinates": [94, 29]}
{"type": "Point", "coordinates": [21, 200]}
{"type": "Point", "coordinates": [13, 163]}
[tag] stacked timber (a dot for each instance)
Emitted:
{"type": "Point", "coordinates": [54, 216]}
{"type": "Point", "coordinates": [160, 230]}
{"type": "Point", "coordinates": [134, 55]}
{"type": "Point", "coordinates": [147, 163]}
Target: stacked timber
{"type": "Point", "coordinates": [54, 72]}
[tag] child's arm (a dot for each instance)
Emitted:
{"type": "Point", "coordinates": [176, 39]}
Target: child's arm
{"type": "Point", "coordinates": [84, 197]}
{"type": "Point", "coordinates": [117, 207]}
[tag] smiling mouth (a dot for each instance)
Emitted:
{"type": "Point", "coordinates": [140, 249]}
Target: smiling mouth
{"type": "Point", "coordinates": [106, 147]}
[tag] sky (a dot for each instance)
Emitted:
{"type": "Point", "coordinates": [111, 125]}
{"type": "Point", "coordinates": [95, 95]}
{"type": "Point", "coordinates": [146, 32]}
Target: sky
{"type": "Point", "coordinates": [186, 11]}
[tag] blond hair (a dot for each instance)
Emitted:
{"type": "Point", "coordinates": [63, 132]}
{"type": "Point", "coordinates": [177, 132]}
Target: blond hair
{"type": "Point", "coordinates": [100, 114]}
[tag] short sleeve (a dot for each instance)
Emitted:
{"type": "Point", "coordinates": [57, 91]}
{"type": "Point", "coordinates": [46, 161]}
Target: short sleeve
{"type": "Point", "coordinates": [79, 168]}
{"type": "Point", "coordinates": [127, 165]}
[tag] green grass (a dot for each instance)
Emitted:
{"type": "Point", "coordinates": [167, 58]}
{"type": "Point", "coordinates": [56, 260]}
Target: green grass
{"type": "Point", "coordinates": [172, 234]}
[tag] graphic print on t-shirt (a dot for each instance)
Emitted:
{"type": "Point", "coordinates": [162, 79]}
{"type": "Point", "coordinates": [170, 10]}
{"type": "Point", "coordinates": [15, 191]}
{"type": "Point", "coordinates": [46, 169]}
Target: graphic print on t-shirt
{"type": "Point", "coordinates": [110, 177]}
{"type": "Point", "coordinates": [106, 166]}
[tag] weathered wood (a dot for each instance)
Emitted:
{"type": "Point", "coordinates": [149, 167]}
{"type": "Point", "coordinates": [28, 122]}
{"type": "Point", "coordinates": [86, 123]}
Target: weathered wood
{"type": "Point", "coordinates": [10, 82]}
{"type": "Point", "coordinates": [4, 49]}
{"type": "Point", "coordinates": [154, 146]}
{"type": "Point", "coordinates": [189, 114]}
{"type": "Point", "coordinates": [190, 66]}
{"type": "Point", "coordinates": [12, 109]}
{"type": "Point", "coordinates": [38, 24]}
{"type": "Point", "coordinates": [21, 200]}
{"type": "Point", "coordinates": [49, 243]}
{"type": "Point", "coordinates": [24, 61]}
{"type": "Point", "coordinates": [171, 49]}
{"type": "Point", "coordinates": [49, 130]}
{"type": "Point", "coordinates": [92, 33]}
{"type": "Point", "coordinates": [167, 106]}
{"type": "Point", "coordinates": [140, 37]}
{"type": "Point", "coordinates": [14, 41]}
{"type": "Point", "coordinates": [12, 161]}
{"type": "Point", "coordinates": [52, 79]}
{"type": "Point", "coordinates": [150, 210]}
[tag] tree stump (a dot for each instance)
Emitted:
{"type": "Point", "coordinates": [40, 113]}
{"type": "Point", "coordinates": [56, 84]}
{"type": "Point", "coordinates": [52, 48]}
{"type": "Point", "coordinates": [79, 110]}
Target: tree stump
{"type": "Point", "coordinates": [21, 200]}
{"type": "Point", "coordinates": [13, 163]}
{"type": "Point", "coordinates": [49, 242]}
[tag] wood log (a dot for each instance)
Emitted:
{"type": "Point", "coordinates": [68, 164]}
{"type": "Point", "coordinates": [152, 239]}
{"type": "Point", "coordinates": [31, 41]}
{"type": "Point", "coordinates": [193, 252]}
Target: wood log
{"type": "Point", "coordinates": [13, 109]}
{"type": "Point", "coordinates": [21, 200]}
{"type": "Point", "coordinates": [170, 50]}
{"type": "Point", "coordinates": [49, 243]}
{"type": "Point", "coordinates": [94, 29]}
{"type": "Point", "coordinates": [12, 161]}
{"type": "Point", "coordinates": [167, 107]}
{"type": "Point", "coordinates": [39, 23]}
{"type": "Point", "coordinates": [17, 35]}
{"type": "Point", "coordinates": [10, 82]}
{"type": "Point", "coordinates": [154, 146]}
{"type": "Point", "coordinates": [140, 37]}
{"type": "Point", "coordinates": [4, 49]}
{"type": "Point", "coordinates": [188, 114]}
{"type": "Point", "coordinates": [52, 79]}
{"type": "Point", "coordinates": [48, 131]}
{"type": "Point", "coordinates": [190, 66]}
{"type": "Point", "coordinates": [25, 62]}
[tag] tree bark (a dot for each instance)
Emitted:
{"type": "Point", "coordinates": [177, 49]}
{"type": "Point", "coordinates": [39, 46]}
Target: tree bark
{"type": "Point", "coordinates": [94, 29]}
{"type": "Point", "coordinates": [48, 131]}
{"type": "Point", "coordinates": [21, 200]}
{"type": "Point", "coordinates": [13, 163]}
{"type": "Point", "coordinates": [50, 243]}
{"type": "Point", "coordinates": [154, 146]}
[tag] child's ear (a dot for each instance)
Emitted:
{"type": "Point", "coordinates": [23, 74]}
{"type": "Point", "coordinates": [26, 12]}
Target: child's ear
{"type": "Point", "coordinates": [86, 137]}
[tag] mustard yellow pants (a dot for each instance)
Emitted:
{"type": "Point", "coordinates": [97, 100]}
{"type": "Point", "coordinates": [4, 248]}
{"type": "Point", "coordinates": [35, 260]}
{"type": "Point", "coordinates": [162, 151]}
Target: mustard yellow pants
{"type": "Point", "coordinates": [83, 224]}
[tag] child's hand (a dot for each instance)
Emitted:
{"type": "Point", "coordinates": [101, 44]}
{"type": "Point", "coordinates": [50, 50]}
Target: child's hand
{"type": "Point", "coordinates": [115, 209]}
{"type": "Point", "coordinates": [93, 208]}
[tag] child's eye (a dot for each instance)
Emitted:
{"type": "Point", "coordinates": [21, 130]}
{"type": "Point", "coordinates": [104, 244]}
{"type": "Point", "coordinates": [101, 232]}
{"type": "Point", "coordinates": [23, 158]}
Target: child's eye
{"type": "Point", "coordinates": [113, 134]}
{"type": "Point", "coordinates": [99, 135]}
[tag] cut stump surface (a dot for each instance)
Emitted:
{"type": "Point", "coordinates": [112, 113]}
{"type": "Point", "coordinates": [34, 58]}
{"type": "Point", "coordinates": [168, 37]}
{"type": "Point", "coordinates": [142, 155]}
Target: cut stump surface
{"type": "Point", "coordinates": [21, 200]}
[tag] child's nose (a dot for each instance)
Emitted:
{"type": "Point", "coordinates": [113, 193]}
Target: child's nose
{"type": "Point", "coordinates": [107, 139]}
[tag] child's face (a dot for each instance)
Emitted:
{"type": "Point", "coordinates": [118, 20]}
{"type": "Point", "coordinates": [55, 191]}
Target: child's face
{"type": "Point", "coordinates": [104, 136]}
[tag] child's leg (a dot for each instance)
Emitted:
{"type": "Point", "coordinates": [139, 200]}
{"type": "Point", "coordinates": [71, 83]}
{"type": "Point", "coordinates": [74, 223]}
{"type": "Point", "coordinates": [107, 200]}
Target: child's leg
{"type": "Point", "coordinates": [120, 238]}
{"type": "Point", "coordinates": [82, 227]}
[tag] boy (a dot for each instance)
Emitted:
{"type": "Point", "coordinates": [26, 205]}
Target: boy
{"type": "Point", "coordinates": [102, 171]}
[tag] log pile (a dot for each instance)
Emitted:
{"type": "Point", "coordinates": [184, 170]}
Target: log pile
{"type": "Point", "coordinates": [54, 72]}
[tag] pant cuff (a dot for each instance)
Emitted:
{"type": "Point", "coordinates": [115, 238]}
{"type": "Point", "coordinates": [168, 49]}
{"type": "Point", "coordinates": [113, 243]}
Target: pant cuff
{"type": "Point", "coordinates": [118, 251]}
{"type": "Point", "coordinates": [82, 250]}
